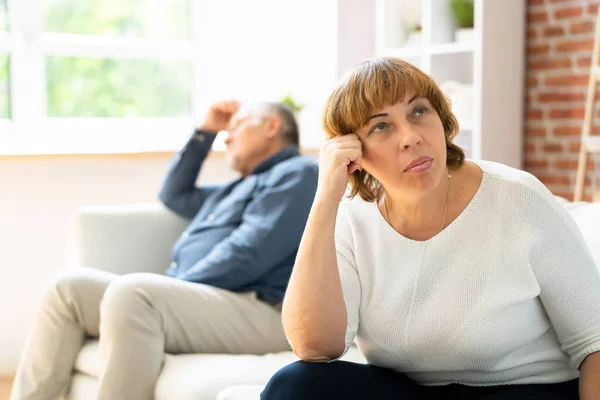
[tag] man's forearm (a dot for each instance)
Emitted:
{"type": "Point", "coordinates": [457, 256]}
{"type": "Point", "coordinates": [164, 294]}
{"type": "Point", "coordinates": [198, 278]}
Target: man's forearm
{"type": "Point", "coordinates": [589, 378]}
{"type": "Point", "coordinates": [179, 192]}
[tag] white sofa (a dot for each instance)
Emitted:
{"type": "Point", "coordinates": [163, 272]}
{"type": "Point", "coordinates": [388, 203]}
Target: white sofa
{"type": "Point", "coordinates": [138, 238]}
{"type": "Point", "coordinates": [135, 238]}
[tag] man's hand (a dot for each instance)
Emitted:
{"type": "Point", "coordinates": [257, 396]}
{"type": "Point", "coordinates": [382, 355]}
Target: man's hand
{"type": "Point", "coordinates": [218, 116]}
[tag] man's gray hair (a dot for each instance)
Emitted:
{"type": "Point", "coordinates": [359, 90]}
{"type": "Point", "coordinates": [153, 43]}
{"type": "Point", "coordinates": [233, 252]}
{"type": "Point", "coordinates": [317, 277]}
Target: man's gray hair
{"type": "Point", "coordinates": [288, 131]}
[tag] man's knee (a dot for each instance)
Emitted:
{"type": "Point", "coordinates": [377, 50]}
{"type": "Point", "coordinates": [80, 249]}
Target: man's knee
{"type": "Point", "coordinates": [298, 380]}
{"type": "Point", "coordinates": [126, 294]}
{"type": "Point", "coordinates": [71, 283]}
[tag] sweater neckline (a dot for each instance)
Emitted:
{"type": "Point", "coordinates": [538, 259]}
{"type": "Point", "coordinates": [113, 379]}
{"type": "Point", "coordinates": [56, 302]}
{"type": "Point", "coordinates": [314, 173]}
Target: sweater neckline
{"type": "Point", "coordinates": [449, 227]}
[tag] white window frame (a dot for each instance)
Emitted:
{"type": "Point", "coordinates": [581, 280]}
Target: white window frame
{"type": "Point", "coordinates": [29, 131]}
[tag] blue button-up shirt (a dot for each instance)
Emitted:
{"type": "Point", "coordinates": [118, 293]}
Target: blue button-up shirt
{"type": "Point", "coordinates": [243, 236]}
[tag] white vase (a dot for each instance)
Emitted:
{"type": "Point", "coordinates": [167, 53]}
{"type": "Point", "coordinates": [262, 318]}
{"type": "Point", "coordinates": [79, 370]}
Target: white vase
{"type": "Point", "coordinates": [464, 35]}
{"type": "Point", "coordinates": [414, 38]}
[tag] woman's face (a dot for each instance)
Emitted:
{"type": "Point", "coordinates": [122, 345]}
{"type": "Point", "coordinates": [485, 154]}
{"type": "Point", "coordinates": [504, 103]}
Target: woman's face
{"type": "Point", "coordinates": [404, 146]}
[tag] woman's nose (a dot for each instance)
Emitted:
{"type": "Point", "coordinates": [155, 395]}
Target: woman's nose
{"type": "Point", "coordinates": [409, 138]}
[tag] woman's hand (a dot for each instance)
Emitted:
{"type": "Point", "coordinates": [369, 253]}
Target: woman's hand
{"type": "Point", "coordinates": [339, 157]}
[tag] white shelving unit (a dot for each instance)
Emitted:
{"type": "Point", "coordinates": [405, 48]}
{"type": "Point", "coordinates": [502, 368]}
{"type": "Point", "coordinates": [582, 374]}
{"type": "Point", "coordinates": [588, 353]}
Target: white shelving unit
{"type": "Point", "coordinates": [492, 64]}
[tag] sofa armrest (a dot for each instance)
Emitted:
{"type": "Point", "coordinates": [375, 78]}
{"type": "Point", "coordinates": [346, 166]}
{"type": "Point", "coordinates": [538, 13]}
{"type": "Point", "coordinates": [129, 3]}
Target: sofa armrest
{"type": "Point", "coordinates": [124, 238]}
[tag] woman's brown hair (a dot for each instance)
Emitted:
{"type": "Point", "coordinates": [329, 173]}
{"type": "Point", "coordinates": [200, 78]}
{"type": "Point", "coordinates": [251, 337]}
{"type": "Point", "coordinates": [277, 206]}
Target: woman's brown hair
{"type": "Point", "coordinates": [371, 86]}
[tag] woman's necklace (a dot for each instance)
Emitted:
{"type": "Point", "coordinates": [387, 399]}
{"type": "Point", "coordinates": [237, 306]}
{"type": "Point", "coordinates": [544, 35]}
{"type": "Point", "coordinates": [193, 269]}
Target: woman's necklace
{"type": "Point", "coordinates": [387, 215]}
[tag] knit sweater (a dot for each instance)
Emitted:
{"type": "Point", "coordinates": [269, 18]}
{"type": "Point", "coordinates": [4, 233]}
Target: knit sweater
{"type": "Point", "coordinates": [508, 293]}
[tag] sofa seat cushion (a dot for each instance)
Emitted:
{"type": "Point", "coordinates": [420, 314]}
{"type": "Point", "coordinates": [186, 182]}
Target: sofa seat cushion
{"type": "Point", "coordinates": [587, 217]}
{"type": "Point", "coordinates": [204, 376]}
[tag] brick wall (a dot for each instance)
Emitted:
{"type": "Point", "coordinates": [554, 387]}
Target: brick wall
{"type": "Point", "coordinates": [560, 37]}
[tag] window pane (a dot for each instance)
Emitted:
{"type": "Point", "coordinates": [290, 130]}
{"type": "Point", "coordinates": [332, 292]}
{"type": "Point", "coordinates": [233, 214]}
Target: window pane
{"type": "Point", "coordinates": [4, 86]}
{"type": "Point", "coordinates": [91, 87]}
{"type": "Point", "coordinates": [3, 16]}
{"type": "Point", "coordinates": [156, 19]}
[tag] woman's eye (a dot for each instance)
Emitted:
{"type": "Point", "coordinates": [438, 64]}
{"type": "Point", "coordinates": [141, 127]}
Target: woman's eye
{"type": "Point", "coordinates": [419, 111]}
{"type": "Point", "coordinates": [379, 127]}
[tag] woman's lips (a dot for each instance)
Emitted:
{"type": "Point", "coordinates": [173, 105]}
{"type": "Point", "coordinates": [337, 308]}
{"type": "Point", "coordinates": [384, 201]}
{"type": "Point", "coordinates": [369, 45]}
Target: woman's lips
{"type": "Point", "coordinates": [422, 166]}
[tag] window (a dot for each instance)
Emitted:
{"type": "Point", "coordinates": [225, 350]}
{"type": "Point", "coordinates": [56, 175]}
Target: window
{"type": "Point", "coordinates": [90, 87]}
{"type": "Point", "coordinates": [150, 19]}
{"type": "Point", "coordinates": [135, 75]}
{"type": "Point", "coordinates": [84, 87]}
{"type": "Point", "coordinates": [4, 64]}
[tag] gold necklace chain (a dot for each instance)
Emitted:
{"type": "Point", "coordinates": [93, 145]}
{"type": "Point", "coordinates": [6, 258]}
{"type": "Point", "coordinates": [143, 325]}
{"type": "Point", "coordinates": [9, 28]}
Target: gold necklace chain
{"type": "Point", "coordinates": [387, 215]}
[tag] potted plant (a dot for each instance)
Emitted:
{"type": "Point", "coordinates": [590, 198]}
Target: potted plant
{"type": "Point", "coordinates": [464, 13]}
{"type": "Point", "coordinates": [414, 35]}
{"type": "Point", "coordinates": [289, 101]}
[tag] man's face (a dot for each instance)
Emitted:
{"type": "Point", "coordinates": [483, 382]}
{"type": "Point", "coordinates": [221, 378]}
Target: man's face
{"type": "Point", "coordinates": [247, 139]}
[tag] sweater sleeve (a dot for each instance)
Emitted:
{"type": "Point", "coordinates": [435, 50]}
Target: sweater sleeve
{"type": "Point", "coordinates": [348, 276]}
{"type": "Point", "coordinates": [568, 278]}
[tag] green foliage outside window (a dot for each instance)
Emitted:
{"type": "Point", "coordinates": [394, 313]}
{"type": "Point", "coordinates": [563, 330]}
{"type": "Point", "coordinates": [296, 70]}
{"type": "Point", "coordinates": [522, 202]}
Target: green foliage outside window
{"type": "Point", "coordinates": [93, 87]}
{"type": "Point", "coordinates": [89, 87]}
{"type": "Point", "coordinates": [4, 87]}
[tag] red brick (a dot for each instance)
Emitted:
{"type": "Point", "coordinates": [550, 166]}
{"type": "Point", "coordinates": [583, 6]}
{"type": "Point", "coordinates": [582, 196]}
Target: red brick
{"type": "Point", "coordinates": [573, 164]}
{"type": "Point", "coordinates": [574, 146]}
{"type": "Point", "coordinates": [566, 164]}
{"type": "Point", "coordinates": [535, 3]}
{"type": "Point", "coordinates": [584, 62]}
{"type": "Point", "coordinates": [554, 97]}
{"type": "Point", "coordinates": [593, 9]}
{"type": "Point", "coordinates": [531, 33]}
{"type": "Point", "coordinates": [554, 63]}
{"type": "Point", "coordinates": [568, 12]}
{"type": "Point", "coordinates": [567, 80]}
{"type": "Point", "coordinates": [582, 27]}
{"type": "Point", "coordinates": [532, 81]}
{"type": "Point", "coordinates": [537, 16]}
{"type": "Point", "coordinates": [534, 114]}
{"type": "Point", "coordinates": [538, 49]}
{"type": "Point", "coordinates": [575, 45]}
{"type": "Point", "coordinates": [554, 31]}
{"type": "Point", "coordinates": [530, 148]}
{"type": "Point", "coordinates": [568, 113]}
{"type": "Point", "coordinates": [554, 180]}
{"type": "Point", "coordinates": [567, 131]}
{"type": "Point", "coordinates": [536, 164]}
{"type": "Point", "coordinates": [536, 132]}
{"type": "Point", "coordinates": [553, 147]}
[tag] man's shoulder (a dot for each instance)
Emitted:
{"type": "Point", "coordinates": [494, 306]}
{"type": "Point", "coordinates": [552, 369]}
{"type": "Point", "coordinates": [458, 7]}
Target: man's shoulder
{"type": "Point", "coordinates": [300, 165]}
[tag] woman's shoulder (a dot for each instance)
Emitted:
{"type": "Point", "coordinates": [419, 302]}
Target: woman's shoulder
{"type": "Point", "coordinates": [510, 177]}
{"type": "Point", "coordinates": [511, 185]}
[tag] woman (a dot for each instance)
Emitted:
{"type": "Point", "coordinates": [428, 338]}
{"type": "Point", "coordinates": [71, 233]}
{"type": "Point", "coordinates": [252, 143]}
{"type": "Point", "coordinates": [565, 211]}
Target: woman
{"type": "Point", "coordinates": [458, 279]}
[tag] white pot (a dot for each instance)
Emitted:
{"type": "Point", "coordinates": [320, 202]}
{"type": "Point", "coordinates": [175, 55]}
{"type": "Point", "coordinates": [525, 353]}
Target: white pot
{"type": "Point", "coordinates": [465, 35]}
{"type": "Point", "coordinates": [414, 39]}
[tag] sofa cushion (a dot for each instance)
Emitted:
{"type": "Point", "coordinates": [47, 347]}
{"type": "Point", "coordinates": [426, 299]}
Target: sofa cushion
{"type": "Point", "coordinates": [203, 376]}
{"type": "Point", "coordinates": [587, 217]}
{"type": "Point", "coordinates": [241, 392]}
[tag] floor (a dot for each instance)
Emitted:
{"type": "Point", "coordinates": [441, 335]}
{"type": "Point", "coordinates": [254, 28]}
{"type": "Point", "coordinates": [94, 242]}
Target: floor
{"type": "Point", "coordinates": [5, 385]}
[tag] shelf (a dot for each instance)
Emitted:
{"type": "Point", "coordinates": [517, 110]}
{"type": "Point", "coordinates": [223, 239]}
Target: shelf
{"type": "Point", "coordinates": [435, 49]}
{"type": "Point", "coordinates": [452, 48]}
{"type": "Point", "coordinates": [592, 143]}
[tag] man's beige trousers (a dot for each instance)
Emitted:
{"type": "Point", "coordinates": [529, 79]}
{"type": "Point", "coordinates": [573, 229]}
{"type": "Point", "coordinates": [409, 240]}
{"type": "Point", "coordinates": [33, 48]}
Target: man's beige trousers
{"type": "Point", "coordinates": [138, 318]}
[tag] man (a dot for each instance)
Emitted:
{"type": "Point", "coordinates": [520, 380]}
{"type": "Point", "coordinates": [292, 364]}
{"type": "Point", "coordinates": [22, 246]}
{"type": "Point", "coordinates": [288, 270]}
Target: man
{"type": "Point", "coordinates": [224, 286]}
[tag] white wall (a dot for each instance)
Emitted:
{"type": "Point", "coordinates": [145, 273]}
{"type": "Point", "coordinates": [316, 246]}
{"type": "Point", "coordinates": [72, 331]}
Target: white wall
{"type": "Point", "coordinates": [37, 198]}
